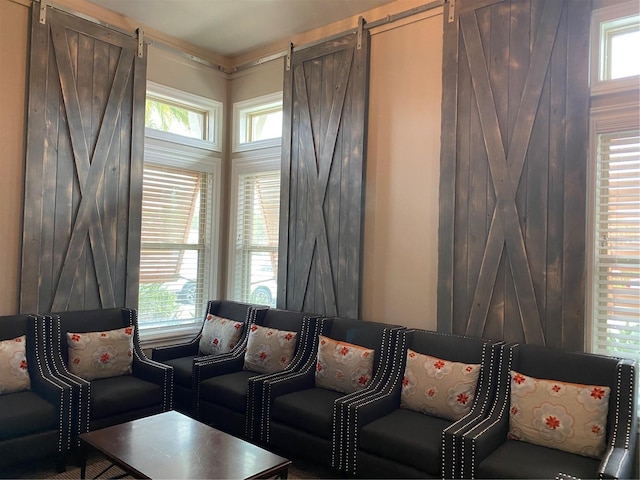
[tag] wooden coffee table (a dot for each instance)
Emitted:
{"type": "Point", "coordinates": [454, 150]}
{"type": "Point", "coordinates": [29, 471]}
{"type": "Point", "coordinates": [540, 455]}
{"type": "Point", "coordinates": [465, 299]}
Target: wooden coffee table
{"type": "Point", "coordinates": [172, 445]}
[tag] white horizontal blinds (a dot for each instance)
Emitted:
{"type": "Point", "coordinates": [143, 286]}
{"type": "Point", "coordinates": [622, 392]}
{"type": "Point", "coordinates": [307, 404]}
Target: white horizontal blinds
{"type": "Point", "coordinates": [617, 245]}
{"type": "Point", "coordinates": [257, 237]}
{"type": "Point", "coordinates": [173, 243]}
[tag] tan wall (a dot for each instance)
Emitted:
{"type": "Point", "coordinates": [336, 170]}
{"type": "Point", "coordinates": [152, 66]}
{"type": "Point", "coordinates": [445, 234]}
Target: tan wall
{"type": "Point", "coordinates": [14, 28]}
{"type": "Point", "coordinates": [403, 172]}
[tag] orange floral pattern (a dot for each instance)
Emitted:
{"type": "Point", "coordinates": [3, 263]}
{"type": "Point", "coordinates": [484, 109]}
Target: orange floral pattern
{"type": "Point", "coordinates": [565, 416]}
{"type": "Point", "coordinates": [14, 372]}
{"type": "Point", "coordinates": [219, 335]}
{"type": "Point", "coordinates": [342, 366]}
{"type": "Point", "coordinates": [95, 355]}
{"type": "Point", "coordinates": [439, 387]}
{"type": "Point", "coordinates": [269, 350]}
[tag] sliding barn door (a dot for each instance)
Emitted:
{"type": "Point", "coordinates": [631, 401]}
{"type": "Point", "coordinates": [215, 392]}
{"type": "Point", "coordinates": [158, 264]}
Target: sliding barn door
{"type": "Point", "coordinates": [513, 177]}
{"type": "Point", "coordinates": [322, 193]}
{"type": "Point", "coordinates": [83, 179]}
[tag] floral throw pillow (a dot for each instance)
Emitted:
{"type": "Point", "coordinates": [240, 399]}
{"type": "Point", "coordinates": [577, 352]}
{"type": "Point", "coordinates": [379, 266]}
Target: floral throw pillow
{"type": "Point", "coordinates": [269, 350]}
{"type": "Point", "coordinates": [342, 366]}
{"type": "Point", "coordinates": [14, 375]}
{"type": "Point", "coordinates": [94, 355]}
{"type": "Point", "coordinates": [438, 387]}
{"type": "Point", "coordinates": [565, 416]}
{"type": "Point", "coordinates": [219, 335]}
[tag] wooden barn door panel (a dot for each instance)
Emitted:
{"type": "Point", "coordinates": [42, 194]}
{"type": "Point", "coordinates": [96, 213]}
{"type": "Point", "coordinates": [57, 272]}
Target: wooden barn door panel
{"type": "Point", "coordinates": [322, 205]}
{"type": "Point", "coordinates": [83, 176]}
{"type": "Point", "coordinates": [513, 171]}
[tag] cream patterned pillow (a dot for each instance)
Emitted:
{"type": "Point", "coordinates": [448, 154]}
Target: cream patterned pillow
{"type": "Point", "coordinates": [95, 355]}
{"type": "Point", "coordinates": [438, 387]}
{"type": "Point", "coordinates": [342, 366]}
{"type": "Point", "coordinates": [565, 416]}
{"type": "Point", "coordinates": [269, 350]}
{"type": "Point", "coordinates": [219, 335]}
{"type": "Point", "coordinates": [14, 376]}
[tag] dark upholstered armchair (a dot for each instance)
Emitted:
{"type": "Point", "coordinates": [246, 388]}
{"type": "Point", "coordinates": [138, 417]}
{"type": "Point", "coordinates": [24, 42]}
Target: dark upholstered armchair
{"type": "Point", "coordinates": [145, 389]}
{"type": "Point", "coordinates": [181, 356]}
{"type": "Point", "coordinates": [491, 450]}
{"type": "Point", "coordinates": [417, 440]}
{"type": "Point", "coordinates": [229, 390]}
{"type": "Point", "coordinates": [34, 422]}
{"type": "Point", "coordinates": [302, 417]}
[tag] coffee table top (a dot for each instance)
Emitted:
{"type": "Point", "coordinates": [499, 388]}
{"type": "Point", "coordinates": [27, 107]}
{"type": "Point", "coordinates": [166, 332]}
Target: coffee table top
{"type": "Point", "coordinates": [173, 445]}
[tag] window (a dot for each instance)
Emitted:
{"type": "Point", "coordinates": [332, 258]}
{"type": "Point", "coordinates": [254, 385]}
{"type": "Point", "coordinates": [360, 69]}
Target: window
{"type": "Point", "coordinates": [178, 254]}
{"type": "Point", "coordinates": [256, 204]}
{"type": "Point", "coordinates": [616, 253]}
{"type": "Point", "coordinates": [615, 62]}
{"type": "Point", "coordinates": [258, 123]}
{"type": "Point", "coordinates": [614, 186]}
{"type": "Point", "coordinates": [184, 118]}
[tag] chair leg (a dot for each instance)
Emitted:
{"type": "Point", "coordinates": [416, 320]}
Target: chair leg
{"type": "Point", "coordinates": [61, 462]}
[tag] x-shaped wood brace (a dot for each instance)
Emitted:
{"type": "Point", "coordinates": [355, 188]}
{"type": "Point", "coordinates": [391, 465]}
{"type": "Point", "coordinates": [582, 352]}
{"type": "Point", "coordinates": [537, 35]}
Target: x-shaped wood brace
{"type": "Point", "coordinates": [506, 172]}
{"type": "Point", "coordinates": [90, 173]}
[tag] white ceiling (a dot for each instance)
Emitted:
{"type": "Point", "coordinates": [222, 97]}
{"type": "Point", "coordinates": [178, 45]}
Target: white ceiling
{"type": "Point", "coordinates": [234, 27]}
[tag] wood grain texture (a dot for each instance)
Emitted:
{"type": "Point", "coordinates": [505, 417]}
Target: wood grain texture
{"type": "Point", "coordinates": [74, 246]}
{"type": "Point", "coordinates": [322, 199]}
{"type": "Point", "coordinates": [504, 184]}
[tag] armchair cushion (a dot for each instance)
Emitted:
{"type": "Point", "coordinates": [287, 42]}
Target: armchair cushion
{"type": "Point", "coordinates": [269, 350]}
{"type": "Point", "coordinates": [229, 390]}
{"type": "Point", "coordinates": [343, 367]}
{"type": "Point", "coordinates": [115, 395]}
{"type": "Point", "coordinates": [515, 459]}
{"type": "Point", "coordinates": [310, 410]}
{"type": "Point", "coordinates": [182, 370]}
{"type": "Point", "coordinates": [14, 374]}
{"type": "Point", "coordinates": [101, 354]}
{"type": "Point", "coordinates": [219, 335]}
{"type": "Point", "coordinates": [438, 387]}
{"type": "Point", "coordinates": [395, 436]}
{"type": "Point", "coordinates": [25, 413]}
{"type": "Point", "coordinates": [567, 416]}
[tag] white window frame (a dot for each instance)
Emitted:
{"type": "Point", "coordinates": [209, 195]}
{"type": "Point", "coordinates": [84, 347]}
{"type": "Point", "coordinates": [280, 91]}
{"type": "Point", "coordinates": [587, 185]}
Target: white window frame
{"type": "Point", "coordinates": [241, 110]}
{"type": "Point", "coordinates": [599, 17]}
{"type": "Point", "coordinates": [167, 153]}
{"type": "Point", "coordinates": [603, 120]}
{"type": "Point", "coordinates": [615, 109]}
{"type": "Point", "coordinates": [212, 108]}
{"type": "Point", "coordinates": [267, 162]}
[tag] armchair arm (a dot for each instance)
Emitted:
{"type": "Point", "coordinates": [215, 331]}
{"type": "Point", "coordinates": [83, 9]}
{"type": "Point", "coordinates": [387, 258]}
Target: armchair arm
{"type": "Point", "coordinates": [481, 408]}
{"type": "Point", "coordinates": [617, 463]}
{"type": "Point", "coordinates": [154, 372]}
{"type": "Point", "coordinates": [81, 401]}
{"type": "Point", "coordinates": [169, 352]}
{"type": "Point", "coordinates": [480, 441]}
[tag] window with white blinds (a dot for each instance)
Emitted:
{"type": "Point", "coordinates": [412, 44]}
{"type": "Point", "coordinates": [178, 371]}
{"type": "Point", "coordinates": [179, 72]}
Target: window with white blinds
{"type": "Point", "coordinates": [256, 245]}
{"type": "Point", "coordinates": [174, 239]}
{"type": "Point", "coordinates": [616, 262]}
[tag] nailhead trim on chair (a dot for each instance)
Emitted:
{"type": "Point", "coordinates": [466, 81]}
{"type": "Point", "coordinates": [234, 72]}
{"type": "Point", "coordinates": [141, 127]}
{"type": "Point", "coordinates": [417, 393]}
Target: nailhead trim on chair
{"type": "Point", "coordinates": [40, 338]}
{"type": "Point", "coordinates": [55, 334]}
{"type": "Point", "coordinates": [386, 390]}
{"type": "Point", "coordinates": [493, 407]}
